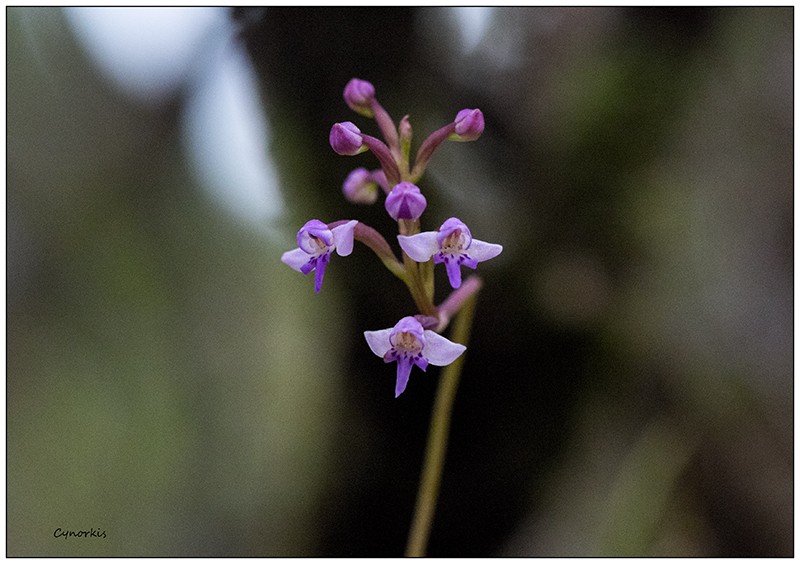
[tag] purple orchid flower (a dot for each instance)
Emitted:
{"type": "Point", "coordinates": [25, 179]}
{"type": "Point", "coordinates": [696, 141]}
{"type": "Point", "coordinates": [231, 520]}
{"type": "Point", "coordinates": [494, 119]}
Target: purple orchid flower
{"type": "Point", "coordinates": [315, 243]}
{"type": "Point", "coordinates": [453, 245]}
{"type": "Point", "coordinates": [409, 344]}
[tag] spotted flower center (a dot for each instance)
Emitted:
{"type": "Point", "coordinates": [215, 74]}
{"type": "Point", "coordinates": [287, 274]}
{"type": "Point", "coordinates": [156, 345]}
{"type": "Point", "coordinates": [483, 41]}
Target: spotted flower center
{"type": "Point", "coordinates": [454, 243]}
{"type": "Point", "coordinates": [318, 245]}
{"type": "Point", "coordinates": [405, 342]}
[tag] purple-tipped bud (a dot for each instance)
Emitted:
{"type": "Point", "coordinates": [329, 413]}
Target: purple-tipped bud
{"type": "Point", "coordinates": [359, 187]}
{"type": "Point", "coordinates": [405, 130]}
{"type": "Point", "coordinates": [405, 201]}
{"type": "Point", "coordinates": [346, 139]}
{"type": "Point", "coordinates": [358, 94]}
{"type": "Point", "coordinates": [468, 125]}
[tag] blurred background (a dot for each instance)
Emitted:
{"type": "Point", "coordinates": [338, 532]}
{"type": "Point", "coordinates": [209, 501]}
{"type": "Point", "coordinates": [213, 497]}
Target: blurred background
{"type": "Point", "coordinates": [628, 388]}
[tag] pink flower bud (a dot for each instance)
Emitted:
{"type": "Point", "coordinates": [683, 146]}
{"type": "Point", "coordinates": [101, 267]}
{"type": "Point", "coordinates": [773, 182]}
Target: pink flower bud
{"type": "Point", "coordinates": [405, 130]}
{"type": "Point", "coordinates": [358, 94]}
{"type": "Point", "coordinates": [346, 139]}
{"type": "Point", "coordinates": [359, 187]}
{"type": "Point", "coordinates": [405, 201]}
{"type": "Point", "coordinates": [468, 125]}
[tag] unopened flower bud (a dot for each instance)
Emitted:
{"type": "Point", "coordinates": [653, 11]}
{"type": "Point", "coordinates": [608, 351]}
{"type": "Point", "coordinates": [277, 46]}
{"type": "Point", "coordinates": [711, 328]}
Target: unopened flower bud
{"type": "Point", "coordinates": [405, 130]}
{"type": "Point", "coordinates": [359, 187]}
{"type": "Point", "coordinates": [405, 201]}
{"type": "Point", "coordinates": [468, 125]}
{"type": "Point", "coordinates": [346, 139]}
{"type": "Point", "coordinates": [358, 94]}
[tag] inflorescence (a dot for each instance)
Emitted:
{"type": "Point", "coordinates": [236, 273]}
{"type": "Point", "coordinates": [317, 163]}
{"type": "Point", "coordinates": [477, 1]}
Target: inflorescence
{"type": "Point", "coordinates": [414, 340]}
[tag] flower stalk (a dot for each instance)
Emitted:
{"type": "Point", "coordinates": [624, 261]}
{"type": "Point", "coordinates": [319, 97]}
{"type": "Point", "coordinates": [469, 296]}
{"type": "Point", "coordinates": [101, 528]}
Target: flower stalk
{"type": "Point", "coordinates": [436, 448]}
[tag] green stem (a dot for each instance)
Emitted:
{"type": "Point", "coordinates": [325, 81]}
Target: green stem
{"type": "Point", "coordinates": [418, 292]}
{"type": "Point", "coordinates": [421, 290]}
{"type": "Point", "coordinates": [437, 437]}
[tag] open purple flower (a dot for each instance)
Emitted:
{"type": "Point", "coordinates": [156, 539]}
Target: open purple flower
{"type": "Point", "coordinates": [315, 243]}
{"type": "Point", "coordinates": [453, 245]}
{"type": "Point", "coordinates": [408, 344]}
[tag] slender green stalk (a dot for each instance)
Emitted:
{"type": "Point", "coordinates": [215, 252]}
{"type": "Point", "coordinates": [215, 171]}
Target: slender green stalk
{"type": "Point", "coordinates": [437, 437]}
{"type": "Point", "coordinates": [421, 290]}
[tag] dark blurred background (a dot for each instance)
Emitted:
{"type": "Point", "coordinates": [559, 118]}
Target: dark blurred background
{"type": "Point", "coordinates": [628, 388]}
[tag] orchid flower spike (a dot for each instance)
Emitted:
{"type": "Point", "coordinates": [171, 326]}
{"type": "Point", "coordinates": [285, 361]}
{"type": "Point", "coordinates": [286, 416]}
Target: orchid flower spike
{"type": "Point", "coordinates": [452, 244]}
{"type": "Point", "coordinates": [408, 344]}
{"type": "Point", "coordinates": [316, 241]}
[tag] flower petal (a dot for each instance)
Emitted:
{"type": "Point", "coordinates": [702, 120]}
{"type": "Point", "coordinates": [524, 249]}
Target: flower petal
{"type": "Point", "coordinates": [313, 228]}
{"type": "Point", "coordinates": [453, 271]}
{"type": "Point", "coordinates": [419, 247]}
{"type": "Point", "coordinates": [346, 139]}
{"type": "Point", "coordinates": [467, 260]}
{"type": "Point", "coordinates": [309, 266]}
{"type": "Point", "coordinates": [343, 238]}
{"type": "Point", "coordinates": [378, 341]}
{"type": "Point", "coordinates": [451, 225]}
{"type": "Point", "coordinates": [440, 351]}
{"type": "Point", "coordinates": [319, 272]}
{"type": "Point", "coordinates": [295, 258]}
{"type": "Point", "coordinates": [409, 324]}
{"type": "Point", "coordinates": [481, 251]}
{"type": "Point", "coordinates": [403, 372]}
{"type": "Point", "coordinates": [405, 201]}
